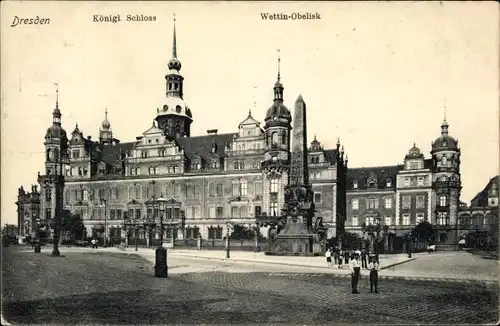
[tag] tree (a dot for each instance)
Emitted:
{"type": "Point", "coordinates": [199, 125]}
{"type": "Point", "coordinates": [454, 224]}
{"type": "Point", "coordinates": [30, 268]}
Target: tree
{"type": "Point", "coordinates": [424, 231]}
{"type": "Point", "coordinates": [72, 224]}
{"type": "Point", "coordinates": [242, 232]}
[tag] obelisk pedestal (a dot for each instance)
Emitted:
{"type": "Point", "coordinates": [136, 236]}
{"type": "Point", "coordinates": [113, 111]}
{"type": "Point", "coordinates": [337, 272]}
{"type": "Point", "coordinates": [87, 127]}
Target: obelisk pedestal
{"type": "Point", "coordinates": [298, 237]}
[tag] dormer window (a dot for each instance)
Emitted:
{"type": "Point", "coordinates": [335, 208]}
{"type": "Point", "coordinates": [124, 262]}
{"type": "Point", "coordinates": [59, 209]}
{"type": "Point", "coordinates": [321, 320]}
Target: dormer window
{"type": "Point", "coordinates": [355, 184]}
{"type": "Point", "coordinates": [388, 183]}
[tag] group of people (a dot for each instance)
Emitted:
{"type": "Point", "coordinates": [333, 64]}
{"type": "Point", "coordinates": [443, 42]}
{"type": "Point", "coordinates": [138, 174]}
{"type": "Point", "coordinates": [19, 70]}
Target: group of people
{"type": "Point", "coordinates": [356, 261]}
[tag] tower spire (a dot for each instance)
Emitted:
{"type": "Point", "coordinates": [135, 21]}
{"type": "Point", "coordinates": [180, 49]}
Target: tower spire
{"type": "Point", "coordinates": [56, 114]}
{"type": "Point", "coordinates": [174, 43]}
{"type": "Point", "coordinates": [57, 95]}
{"type": "Point", "coordinates": [279, 61]}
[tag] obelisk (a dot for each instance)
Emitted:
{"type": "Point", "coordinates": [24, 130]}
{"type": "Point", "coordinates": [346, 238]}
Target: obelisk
{"type": "Point", "coordinates": [299, 174]}
{"type": "Point", "coordinates": [297, 236]}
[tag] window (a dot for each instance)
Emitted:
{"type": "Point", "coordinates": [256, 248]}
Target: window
{"type": "Point", "coordinates": [211, 190]}
{"type": "Point", "coordinates": [372, 203]}
{"type": "Point", "coordinates": [257, 210]}
{"type": "Point", "coordinates": [273, 209]}
{"type": "Point", "coordinates": [355, 204]}
{"type": "Point", "coordinates": [220, 212]}
{"type": "Point", "coordinates": [132, 171]}
{"type": "Point", "coordinates": [420, 202]}
{"type": "Point", "coordinates": [85, 194]}
{"type": "Point", "coordinates": [414, 166]}
{"type": "Point", "coordinates": [256, 164]}
{"type": "Point", "coordinates": [388, 203]}
{"type": "Point", "coordinates": [406, 201]}
{"type": "Point", "coordinates": [388, 220]}
{"type": "Point", "coordinates": [243, 188]}
{"type": "Point", "coordinates": [369, 220]}
{"type": "Point", "coordinates": [236, 189]}
{"type": "Point", "coordinates": [442, 219]}
{"type": "Point", "coordinates": [317, 198]}
{"type": "Point", "coordinates": [355, 221]}
{"type": "Point", "coordinates": [420, 218]}
{"type": "Point", "coordinates": [174, 168]}
{"type": "Point", "coordinates": [388, 183]}
{"type": "Point", "coordinates": [420, 181]}
{"type": "Point", "coordinates": [274, 185]}
{"type": "Point", "coordinates": [219, 190]}
{"type": "Point", "coordinates": [177, 190]}
{"type": "Point", "coordinates": [150, 170]}
{"type": "Point", "coordinates": [137, 213]}
{"type": "Point", "coordinates": [138, 171]}
{"type": "Point", "coordinates": [234, 211]}
{"type": "Point", "coordinates": [155, 171]}
{"type": "Point", "coordinates": [442, 201]}
{"type": "Point", "coordinates": [355, 184]}
{"type": "Point", "coordinates": [406, 219]}
{"type": "Point", "coordinates": [258, 188]}
{"type": "Point", "coordinates": [112, 215]}
{"type": "Point", "coordinates": [407, 182]}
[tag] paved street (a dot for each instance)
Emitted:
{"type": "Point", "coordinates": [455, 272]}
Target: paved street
{"type": "Point", "coordinates": [119, 288]}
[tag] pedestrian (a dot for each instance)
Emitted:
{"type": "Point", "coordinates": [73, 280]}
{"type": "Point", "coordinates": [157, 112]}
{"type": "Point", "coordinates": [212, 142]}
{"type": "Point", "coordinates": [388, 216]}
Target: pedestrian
{"type": "Point", "coordinates": [346, 257]}
{"type": "Point", "coordinates": [341, 258]}
{"type": "Point", "coordinates": [94, 243]}
{"type": "Point", "coordinates": [328, 255]}
{"type": "Point", "coordinates": [336, 256]}
{"type": "Point", "coordinates": [374, 267]}
{"type": "Point", "coordinates": [363, 259]}
{"type": "Point", "coordinates": [355, 273]}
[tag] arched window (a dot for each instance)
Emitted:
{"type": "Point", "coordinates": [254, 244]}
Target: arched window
{"type": "Point", "coordinates": [444, 160]}
{"type": "Point", "coordinates": [169, 86]}
{"type": "Point", "coordinates": [275, 137]}
{"type": "Point", "coordinates": [274, 185]}
{"type": "Point", "coordinates": [47, 157]}
{"type": "Point", "coordinates": [283, 138]}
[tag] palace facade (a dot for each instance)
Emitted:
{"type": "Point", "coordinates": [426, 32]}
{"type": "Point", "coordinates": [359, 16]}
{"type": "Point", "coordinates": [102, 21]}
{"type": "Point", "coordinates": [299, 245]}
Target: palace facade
{"type": "Point", "coordinates": [205, 181]}
{"type": "Point", "coordinates": [209, 180]}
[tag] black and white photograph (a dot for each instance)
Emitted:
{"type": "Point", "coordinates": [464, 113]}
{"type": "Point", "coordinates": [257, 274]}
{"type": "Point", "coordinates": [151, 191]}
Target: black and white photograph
{"type": "Point", "coordinates": [274, 163]}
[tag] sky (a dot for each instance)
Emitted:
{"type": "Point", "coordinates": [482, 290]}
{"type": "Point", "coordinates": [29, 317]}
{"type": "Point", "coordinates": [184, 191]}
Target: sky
{"type": "Point", "coordinates": [379, 76]}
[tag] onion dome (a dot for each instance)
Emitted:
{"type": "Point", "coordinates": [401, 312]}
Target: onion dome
{"type": "Point", "coordinates": [105, 122]}
{"type": "Point", "coordinates": [278, 110]}
{"type": "Point", "coordinates": [445, 141]}
{"type": "Point", "coordinates": [56, 131]}
{"type": "Point", "coordinates": [174, 63]}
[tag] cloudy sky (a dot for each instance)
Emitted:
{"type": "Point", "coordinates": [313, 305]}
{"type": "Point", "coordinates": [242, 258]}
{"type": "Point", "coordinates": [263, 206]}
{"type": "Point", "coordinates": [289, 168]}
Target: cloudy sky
{"type": "Point", "coordinates": [376, 75]}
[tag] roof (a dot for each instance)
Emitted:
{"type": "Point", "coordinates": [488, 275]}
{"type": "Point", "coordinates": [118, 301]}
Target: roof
{"type": "Point", "coordinates": [111, 153]}
{"type": "Point", "coordinates": [202, 145]}
{"type": "Point", "coordinates": [381, 174]}
{"type": "Point", "coordinates": [481, 199]}
{"type": "Point", "coordinates": [330, 155]}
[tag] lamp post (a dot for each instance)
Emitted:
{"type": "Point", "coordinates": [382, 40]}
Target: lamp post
{"type": "Point", "coordinates": [104, 202]}
{"type": "Point", "coordinates": [228, 232]}
{"type": "Point", "coordinates": [161, 268]}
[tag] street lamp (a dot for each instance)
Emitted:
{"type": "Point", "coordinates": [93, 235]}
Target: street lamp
{"type": "Point", "coordinates": [161, 268]}
{"type": "Point", "coordinates": [105, 202]}
{"type": "Point", "coordinates": [229, 228]}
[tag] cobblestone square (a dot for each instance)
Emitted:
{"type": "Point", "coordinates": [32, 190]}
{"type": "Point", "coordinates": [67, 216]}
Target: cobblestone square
{"type": "Point", "coordinates": [119, 288]}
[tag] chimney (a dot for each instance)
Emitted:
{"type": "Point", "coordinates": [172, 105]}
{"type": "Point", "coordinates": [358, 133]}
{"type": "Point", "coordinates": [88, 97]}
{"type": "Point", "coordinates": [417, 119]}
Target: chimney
{"type": "Point", "coordinates": [139, 137]}
{"type": "Point", "coordinates": [212, 131]}
{"type": "Point", "coordinates": [89, 137]}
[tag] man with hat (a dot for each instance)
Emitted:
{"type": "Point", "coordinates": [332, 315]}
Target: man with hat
{"type": "Point", "coordinates": [355, 272]}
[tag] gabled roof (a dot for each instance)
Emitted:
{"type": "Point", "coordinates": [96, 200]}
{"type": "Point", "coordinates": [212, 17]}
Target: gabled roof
{"type": "Point", "coordinates": [111, 153]}
{"type": "Point", "coordinates": [249, 121]}
{"type": "Point", "coordinates": [153, 130]}
{"type": "Point", "coordinates": [381, 173]}
{"type": "Point", "coordinates": [202, 145]}
{"type": "Point", "coordinates": [481, 199]}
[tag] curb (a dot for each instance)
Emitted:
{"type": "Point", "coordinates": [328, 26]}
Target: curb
{"type": "Point", "coordinates": [398, 263]}
{"type": "Point", "coordinates": [277, 262]}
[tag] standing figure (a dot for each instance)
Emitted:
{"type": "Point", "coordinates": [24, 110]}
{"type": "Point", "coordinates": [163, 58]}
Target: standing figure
{"type": "Point", "coordinates": [346, 257]}
{"type": "Point", "coordinates": [363, 259]}
{"type": "Point", "coordinates": [328, 255]}
{"type": "Point", "coordinates": [336, 256]}
{"type": "Point", "coordinates": [355, 273]}
{"type": "Point", "coordinates": [341, 258]}
{"type": "Point", "coordinates": [374, 267]}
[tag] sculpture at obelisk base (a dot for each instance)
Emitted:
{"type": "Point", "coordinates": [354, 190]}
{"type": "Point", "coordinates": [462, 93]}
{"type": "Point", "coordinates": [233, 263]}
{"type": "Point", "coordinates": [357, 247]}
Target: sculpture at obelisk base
{"type": "Point", "coordinates": [298, 237]}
